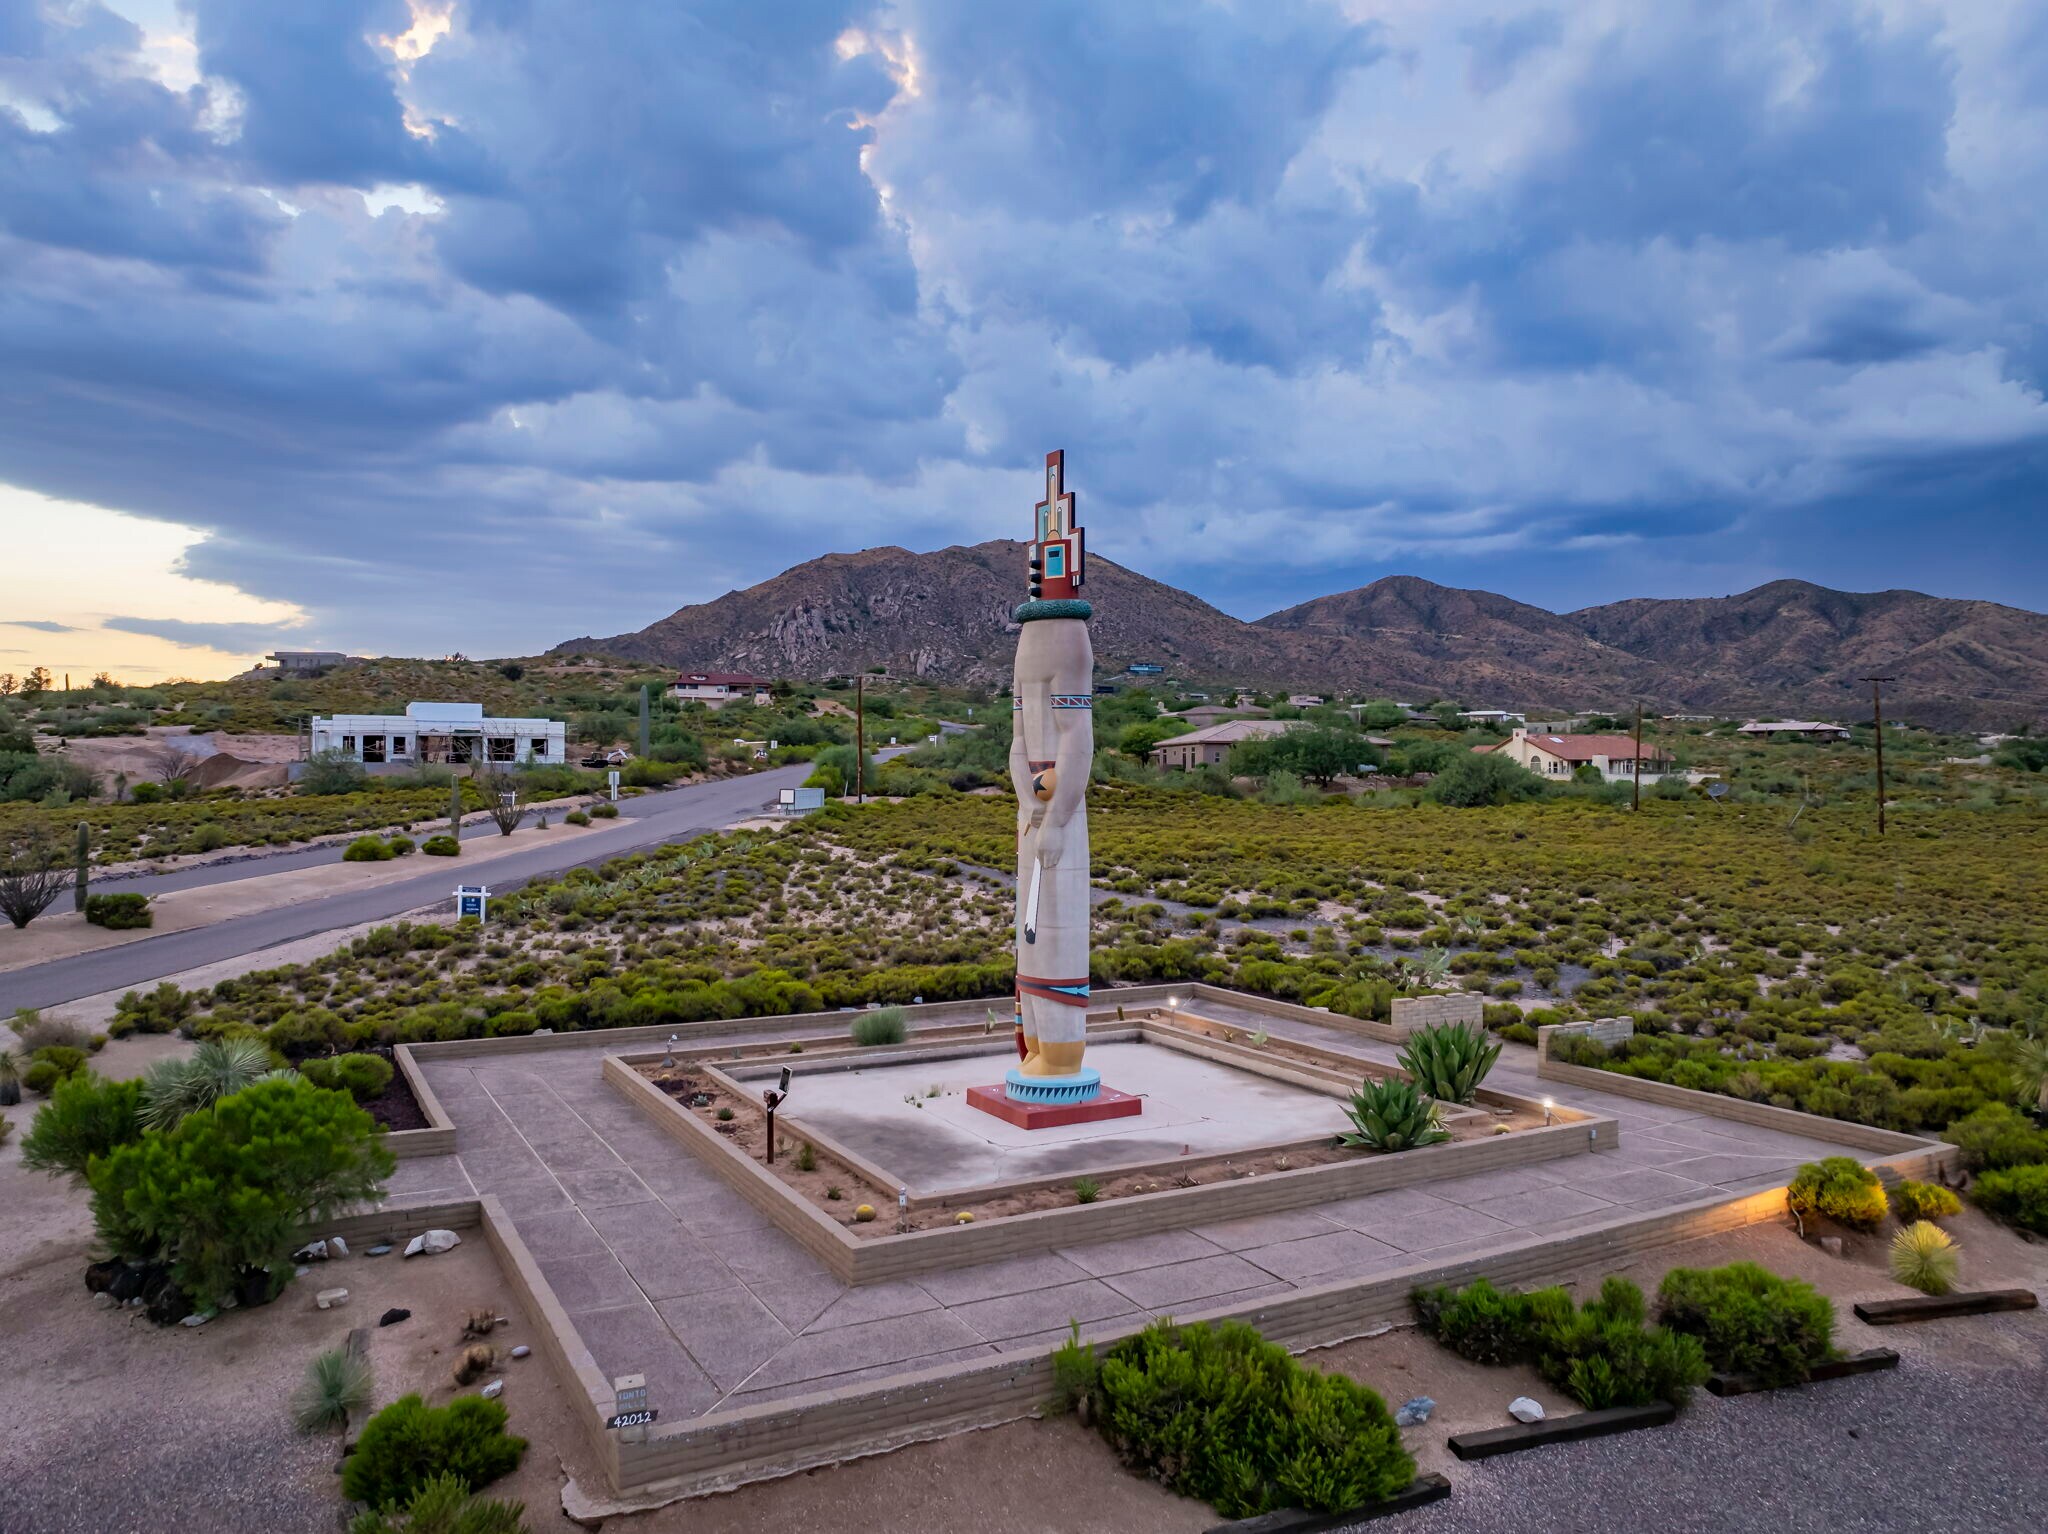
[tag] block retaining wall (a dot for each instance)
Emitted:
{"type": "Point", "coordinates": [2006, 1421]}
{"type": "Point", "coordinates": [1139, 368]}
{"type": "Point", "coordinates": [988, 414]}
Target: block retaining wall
{"type": "Point", "coordinates": [855, 1261]}
{"type": "Point", "coordinates": [438, 1138]}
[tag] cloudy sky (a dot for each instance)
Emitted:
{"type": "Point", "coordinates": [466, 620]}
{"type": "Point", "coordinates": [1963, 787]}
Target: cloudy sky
{"type": "Point", "coordinates": [402, 326]}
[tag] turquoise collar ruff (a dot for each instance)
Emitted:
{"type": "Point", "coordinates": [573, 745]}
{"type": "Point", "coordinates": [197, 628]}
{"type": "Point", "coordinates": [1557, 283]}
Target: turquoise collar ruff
{"type": "Point", "coordinates": [1065, 607]}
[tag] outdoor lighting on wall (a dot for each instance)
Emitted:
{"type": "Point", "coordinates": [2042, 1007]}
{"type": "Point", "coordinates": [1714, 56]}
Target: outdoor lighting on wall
{"type": "Point", "coordinates": [1548, 1104]}
{"type": "Point", "coordinates": [670, 1058]}
{"type": "Point", "coordinates": [772, 1099]}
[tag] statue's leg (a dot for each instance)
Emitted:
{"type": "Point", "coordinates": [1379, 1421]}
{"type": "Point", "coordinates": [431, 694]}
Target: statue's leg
{"type": "Point", "coordinates": [1055, 970]}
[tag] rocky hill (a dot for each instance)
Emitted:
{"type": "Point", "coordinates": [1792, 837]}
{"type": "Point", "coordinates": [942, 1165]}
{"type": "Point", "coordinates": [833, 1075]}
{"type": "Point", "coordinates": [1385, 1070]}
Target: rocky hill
{"type": "Point", "coordinates": [1785, 647]}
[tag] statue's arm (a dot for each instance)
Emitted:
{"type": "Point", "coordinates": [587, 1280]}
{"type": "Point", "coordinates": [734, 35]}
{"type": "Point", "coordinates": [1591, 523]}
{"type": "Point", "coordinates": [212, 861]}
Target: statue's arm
{"type": "Point", "coordinates": [1020, 772]}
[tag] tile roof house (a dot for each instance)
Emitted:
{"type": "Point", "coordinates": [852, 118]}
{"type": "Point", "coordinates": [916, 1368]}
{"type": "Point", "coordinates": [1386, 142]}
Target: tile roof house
{"type": "Point", "coordinates": [1559, 756]}
{"type": "Point", "coordinates": [1804, 729]}
{"type": "Point", "coordinates": [1210, 747]}
{"type": "Point", "coordinates": [717, 688]}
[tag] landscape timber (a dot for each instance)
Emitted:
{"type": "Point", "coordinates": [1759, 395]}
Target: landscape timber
{"type": "Point", "coordinates": [1052, 747]}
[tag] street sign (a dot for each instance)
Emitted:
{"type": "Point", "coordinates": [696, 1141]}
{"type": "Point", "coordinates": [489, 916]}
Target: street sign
{"type": "Point", "coordinates": [470, 900]}
{"type": "Point", "coordinates": [612, 778]}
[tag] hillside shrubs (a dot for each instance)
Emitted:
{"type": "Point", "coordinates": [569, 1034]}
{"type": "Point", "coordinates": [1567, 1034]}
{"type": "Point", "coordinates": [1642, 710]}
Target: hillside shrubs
{"type": "Point", "coordinates": [368, 849]}
{"type": "Point", "coordinates": [1218, 1413]}
{"type": "Point", "coordinates": [443, 1504]}
{"type": "Point", "coordinates": [1913, 1201]}
{"type": "Point", "coordinates": [1841, 1188]}
{"type": "Point", "coordinates": [1750, 1321]}
{"type": "Point", "coordinates": [361, 1076]}
{"type": "Point", "coordinates": [408, 1443]}
{"type": "Point", "coordinates": [884, 1025]}
{"type": "Point", "coordinates": [120, 912]}
{"type": "Point", "coordinates": [441, 846]}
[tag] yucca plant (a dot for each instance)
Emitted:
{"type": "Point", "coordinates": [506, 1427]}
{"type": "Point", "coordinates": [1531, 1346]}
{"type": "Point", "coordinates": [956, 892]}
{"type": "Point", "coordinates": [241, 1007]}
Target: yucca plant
{"type": "Point", "coordinates": [1924, 1258]}
{"type": "Point", "coordinates": [217, 1068]}
{"type": "Point", "coordinates": [1449, 1060]}
{"type": "Point", "coordinates": [336, 1383]}
{"type": "Point", "coordinates": [1391, 1115]}
{"type": "Point", "coordinates": [10, 1079]}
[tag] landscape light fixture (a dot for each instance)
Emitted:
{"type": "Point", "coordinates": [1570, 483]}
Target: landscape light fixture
{"type": "Point", "coordinates": [670, 1058]}
{"type": "Point", "coordinates": [771, 1100]}
{"type": "Point", "coordinates": [1548, 1104]}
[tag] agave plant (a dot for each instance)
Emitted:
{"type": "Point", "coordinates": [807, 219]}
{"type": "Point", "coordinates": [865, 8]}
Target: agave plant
{"type": "Point", "coordinates": [1449, 1060]}
{"type": "Point", "coordinates": [1391, 1115]}
{"type": "Point", "coordinates": [1924, 1258]}
{"type": "Point", "coordinates": [217, 1068]}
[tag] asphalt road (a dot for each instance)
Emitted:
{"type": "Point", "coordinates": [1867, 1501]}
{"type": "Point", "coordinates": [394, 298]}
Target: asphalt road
{"type": "Point", "coordinates": [671, 816]}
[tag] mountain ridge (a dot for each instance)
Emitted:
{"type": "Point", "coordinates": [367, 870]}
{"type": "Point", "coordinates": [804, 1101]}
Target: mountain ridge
{"type": "Point", "coordinates": [1789, 646]}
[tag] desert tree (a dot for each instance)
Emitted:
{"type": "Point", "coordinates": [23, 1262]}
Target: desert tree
{"type": "Point", "coordinates": [167, 761]}
{"type": "Point", "coordinates": [10, 684]}
{"type": "Point", "coordinates": [36, 682]}
{"type": "Point", "coordinates": [501, 797]}
{"type": "Point", "coordinates": [33, 873]}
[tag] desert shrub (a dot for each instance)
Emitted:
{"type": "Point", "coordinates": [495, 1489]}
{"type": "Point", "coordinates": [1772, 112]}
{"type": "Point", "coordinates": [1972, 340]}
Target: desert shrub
{"type": "Point", "coordinates": [401, 845]}
{"type": "Point", "coordinates": [218, 1068]}
{"type": "Point", "coordinates": [162, 1010]}
{"type": "Point", "coordinates": [361, 1076]}
{"type": "Point", "coordinates": [409, 1442]}
{"type": "Point", "coordinates": [884, 1025]}
{"type": "Point", "coordinates": [444, 1505]}
{"type": "Point", "coordinates": [441, 846]}
{"type": "Point", "coordinates": [1220, 1414]}
{"type": "Point", "coordinates": [1912, 1201]}
{"type": "Point", "coordinates": [119, 913]}
{"type": "Point", "coordinates": [332, 772]}
{"type": "Point", "coordinates": [1924, 1258]}
{"type": "Point", "coordinates": [1391, 1115]}
{"type": "Point", "coordinates": [306, 1031]}
{"type": "Point", "coordinates": [1469, 780]}
{"type": "Point", "coordinates": [86, 1116]}
{"type": "Point", "coordinates": [1998, 1135]}
{"type": "Point", "coordinates": [1841, 1188]}
{"type": "Point", "coordinates": [576, 818]}
{"type": "Point", "coordinates": [147, 793]}
{"type": "Point", "coordinates": [39, 1076]}
{"type": "Point", "coordinates": [50, 1065]}
{"type": "Point", "coordinates": [1479, 1322]}
{"type": "Point", "coordinates": [1749, 1320]}
{"type": "Point", "coordinates": [229, 1189]}
{"type": "Point", "coordinates": [1447, 1061]}
{"type": "Point", "coordinates": [38, 1032]}
{"type": "Point", "coordinates": [367, 849]}
{"type": "Point", "coordinates": [1601, 1354]}
{"type": "Point", "coordinates": [604, 810]}
{"type": "Point", "coordinates": [2018, 1195]}
{"type": "Point", "coordinates": [336, 1383]}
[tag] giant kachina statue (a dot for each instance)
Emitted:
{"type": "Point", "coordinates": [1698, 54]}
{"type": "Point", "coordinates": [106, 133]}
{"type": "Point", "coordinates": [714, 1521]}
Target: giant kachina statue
{"type": "Point", "coordinates": [1052, 751]}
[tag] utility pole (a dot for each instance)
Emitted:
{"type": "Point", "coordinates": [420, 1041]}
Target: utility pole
{"type": "Point", "coordinates": [1877, 722]}
{"type": "Point", "coordinates": [1639, 758]}
{"type": "Point", "coordinates": [860, 739]}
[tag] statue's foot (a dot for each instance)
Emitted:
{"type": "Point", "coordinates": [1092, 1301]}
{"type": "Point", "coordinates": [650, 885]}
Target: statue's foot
{"type": "Point", "coordinates": [1054, 1060]}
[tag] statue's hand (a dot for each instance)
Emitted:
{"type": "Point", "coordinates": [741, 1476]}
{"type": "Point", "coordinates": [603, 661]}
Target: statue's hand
{"type": "Point", "coordinates": [1052, 843]}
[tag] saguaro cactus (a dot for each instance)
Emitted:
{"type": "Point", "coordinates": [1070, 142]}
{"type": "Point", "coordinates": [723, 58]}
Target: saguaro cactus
{"type": "Point", "coordinates": [455, 806]}
{"type": "Point", "coordinates": [81, 854]}
{"type": "Point", "coordinates": [643, 720]}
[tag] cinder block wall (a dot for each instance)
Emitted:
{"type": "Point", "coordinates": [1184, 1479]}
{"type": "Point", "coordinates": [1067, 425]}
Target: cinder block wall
{"type": "Point", "coordinates": [1607, 1031]}
{"type": "Point", "coordinates": [1412, 1012]}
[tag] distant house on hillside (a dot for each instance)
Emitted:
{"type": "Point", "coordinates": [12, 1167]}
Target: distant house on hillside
{"type": "Point", "coordinates": [1215, 713]}
{"type": "Point", "coordinates": [1792, 729]}
{"type": "Point", "coordinates": [441, 732]}
{"type": "Point", "coordinates": [1210, 747]}
{"type": "Point", "coordinates": [1559, 756]}
{"type": "Point", "coordinates": [1305, 700]}
{"type": "Point", "coordinates": [1490, 716]}
{"type": "Point", "coordinates": [306, 662]}
{"type": "Point", "coordinates": [715, 689]}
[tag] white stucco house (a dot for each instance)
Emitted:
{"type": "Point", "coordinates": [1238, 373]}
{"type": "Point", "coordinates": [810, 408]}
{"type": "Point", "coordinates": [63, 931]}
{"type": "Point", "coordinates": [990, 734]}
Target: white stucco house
{"type": "Point", "coordinates": [442, 732]}
{"type": "Point", "coordinates": [715, 689]}
{"type": "Point", "coordinates": [1559, 756]}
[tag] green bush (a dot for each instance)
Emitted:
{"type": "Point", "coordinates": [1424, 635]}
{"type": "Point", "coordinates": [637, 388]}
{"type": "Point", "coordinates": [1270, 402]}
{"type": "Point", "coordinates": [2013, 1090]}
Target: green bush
{"type": "Point", "coordinates": [332, 772]}
{"type": "Point", "coordinates": [1913, 1201]}
{"type": "Point", "coordinates": [1998, 1135]}
{"type": "Point", "coordinates": [162, 1010]}
{"type": "Point", "coordinates": [51, 1064]}
{"type": "Point", "coordinates": [1220, 1414]}
{"type": "Point", "coordinates": [1750, 1321]}
{"type": "Point", "coordinates": [174, 1089]}
{"type": "Point", "coordinates": [1447, 1061]}
{"type": "Point", "coordinates": [230, 1188]}
{"type": "Point", "coordinates": [1390, 1115]}
{"type": "Point", "coordinates": [441, 846]}
{"type": "Point", "coordinates": [1601, 1354]}
{"type": "Point", "coordinates": [39, 1076]}
{"type": "Point", "coordinates": [604, 809]}
{"type": "Point", "coordinates": [409, 1442]}
{"type": "Point", "coordinates": [444, 1505]}
{"type": "Point", "coordinates": [884, 1025]}
{"type": "Point", "coordinates": [1841, 1188]}
{"type": "Point", "coordinates": [118, 913]}
{"type": "Point", "coordinates": [2018, 1195]}
{"type": "Point", "coordinates": [1469, 780]}
{"type": "Point", "coordinates": [401, 845]}
{"type": "Point", "coordinates": [367, 849]}
{"type": "Point", "coordinates": [146, 793]}
{"type": "Point", "coordinates": [86, 1116]}
{"type": "Point", "coordinates": [361, 1076]}
{"type": "Point", "coordinates": [576, 818]}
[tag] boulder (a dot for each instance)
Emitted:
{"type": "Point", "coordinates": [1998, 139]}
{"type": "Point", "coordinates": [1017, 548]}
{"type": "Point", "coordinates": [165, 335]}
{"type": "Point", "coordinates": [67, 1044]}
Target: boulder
{"type": "Point", "coordinates": [99, 1276]}
{"type": "Point", "coordinates": [431, 1242]}
{"type": "Point", "coordinates": [312, 1251]}
{"type": "Point", "coordinates": [168, 1304]}
{"type": "Point", "coordinates": [393, 1316]}
{"type": "Point", "coordinates": [199, 1318]}
{"type": "Point", "coordinates": [336, 1247]}
{"type": "Point", "coordinates": [378, 1250]}
{"type": "Point", "coordinates": [104, 1300]}
{"type": "Point", "coordinates": [328, 1299]}
{"type": "Point", "coordinates": [521, 1351]}
{"type": "Point", "coordinates": [492, 1391]}
{"type": "Point", "coordinates": [1522, 1409]}
{"type": "Point", "coordinates": [126, 1284]}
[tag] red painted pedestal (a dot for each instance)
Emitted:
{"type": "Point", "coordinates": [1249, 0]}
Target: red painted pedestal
{"type": "Point", "coordinates": [1106, 1104]}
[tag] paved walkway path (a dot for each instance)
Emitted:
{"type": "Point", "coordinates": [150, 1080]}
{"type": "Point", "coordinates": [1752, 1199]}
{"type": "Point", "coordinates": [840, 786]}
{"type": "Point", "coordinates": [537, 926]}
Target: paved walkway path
{"type": "Point", "coordinates": [666, 1272]}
